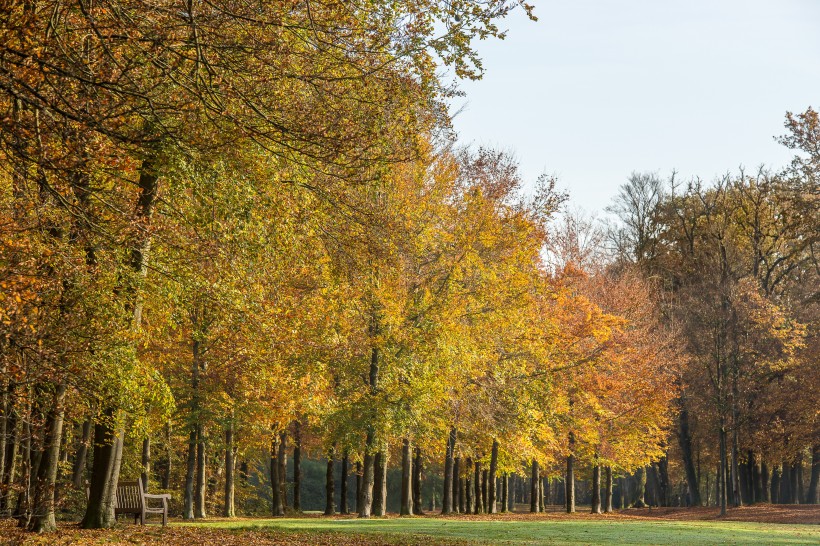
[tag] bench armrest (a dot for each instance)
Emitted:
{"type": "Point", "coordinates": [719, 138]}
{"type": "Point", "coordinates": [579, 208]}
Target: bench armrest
{"type": "Point", "coordinates": [163, 496]}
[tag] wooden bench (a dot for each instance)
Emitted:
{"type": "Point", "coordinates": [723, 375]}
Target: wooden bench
{"type": "Point", "coordinates": [132, 499]}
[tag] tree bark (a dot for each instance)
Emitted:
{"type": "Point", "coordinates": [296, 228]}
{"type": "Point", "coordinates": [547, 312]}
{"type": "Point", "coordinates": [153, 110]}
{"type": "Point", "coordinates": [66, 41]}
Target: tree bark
{"type": "Point", "coordinates": [230, 458]}
{"type": "Point", "coordinates": [199, 490]}
{"type": "Point", "coordinates": [484, 499]}
{"type": "Point", "coordinates": [297, 470]}
{"type": "Point", "coordinates": [78, 468]}
{"type": "Point", "coordinates": [7, 472]}
{"type": "Point", "coordinates": [447, 496]}
{"type": "Point", "coordinates": [534, 487]}
{"type": "Point", "coordinates": [774, 491]}
{"type": "Point", "coordinates": [283, 468]}
{"type": "Point", "coordinates": [813, 495]}
{"type": "Point", "coordinates": [330, 485]}
{"type": "Point", "coordinates": [596, 489]}
{"type": "Point", "coordinates": [663, 481]}
{"type": "Point", "coordinates": [569, 483]}
{"type": "Point", "coordinates": [406, 478]}
{"type": "Point", "coordinates": [685, 442]}
{"type": "Point", "coordinates": [107, 456]}
{"type": "Point", "coordinates": [469, 507]}
{"type": "Point", "coordinates": [455, 480]}
{"type": "Point", "coordinates": [146, 462]}
{"type": "Point", "coordinates": [794, 487]}
{"type": "Point", "coordinates": [358, 486]}
{"type": "Point", "coordinates": [417, 507]}
{"type": "Point", "coordinates": [505, 483]}
{"type": "Point", "coordinates": [479, 506]}
{"type": "Point", "coordinates": [368, 476]}
{"type": "Point", "coordinates": [380, 484]}
{"type": "Point", "coordinates": [42, 518]}
{"type": "Point", "coordinates": [785, 495]}
{"type": "Point", "coordinates": [277, 508]}
{"type": "Point", "coordinates": [765, 481]}
{"type": "Point", "coordinates": [640, 488]}
{"type": "Point", "coordinates": [722, 477]}
{"type": "Point", "coordinates": [190, 475]}
{"type": "Point", "coordinates": [343, 508]}
{"type": "Point", "coordinates": [491, 495]}
{"type": "Point", "coordinates": [608, 491]}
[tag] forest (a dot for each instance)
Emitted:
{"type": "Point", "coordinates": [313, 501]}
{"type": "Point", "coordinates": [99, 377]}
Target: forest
{"type": "Point", "coordinates": [244, 260]}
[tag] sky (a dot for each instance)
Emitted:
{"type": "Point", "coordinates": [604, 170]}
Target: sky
{"type": "Point", "coordinates": [595, 90]}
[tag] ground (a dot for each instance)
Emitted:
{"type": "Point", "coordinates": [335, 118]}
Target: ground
{"type": "Point", "coordinates": [762, 524]}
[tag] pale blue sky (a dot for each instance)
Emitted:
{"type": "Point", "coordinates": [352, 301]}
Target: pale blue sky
{"type": "Point", "coordinates": [597, 89]}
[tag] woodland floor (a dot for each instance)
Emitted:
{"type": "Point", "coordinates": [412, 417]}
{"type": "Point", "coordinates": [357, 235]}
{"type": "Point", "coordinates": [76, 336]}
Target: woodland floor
{"type": "Point", "coordinates": [762, 524]}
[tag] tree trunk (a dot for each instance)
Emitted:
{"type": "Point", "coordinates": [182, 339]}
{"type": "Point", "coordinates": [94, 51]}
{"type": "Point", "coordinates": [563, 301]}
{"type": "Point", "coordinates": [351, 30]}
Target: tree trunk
{"type": "Point", "coordinates": [685, 442]}
{"type": "Point", "coordinates": [343, 508]}
{"type": "Point", "coordinates": [541, 494]}
{"type": "Point", "coordinates": [469, 507]}
{"type": "Point", "coordinates": [368, 476]}
{"type": "Point", "coordinates": [283, 468]}
{"type": "Point", "coordinates": [491, 495]}
{"type": "Point", "coordinates": [42, 519]}
{"type": "Point", "coordinates": [190, 474]}
{"type": "Point", "coordinates": [505, 483]}
{"type": "Point", "coordinates": [794, 487]}
{"type": "Point", "coordinates": [146, 462]}
{"type": "Point", "coordinates": [801, 495]}
{"type": "Point", "coordinates": [380, 484]}
{"type": "Point", "coordinates": [785, 495]}
{"type": "Point", "coordinates": [722, 480]}
{"type": "Point", "coordinates": [663, 481]}
{"type": "Point", "coordinates": [608, 490]}
{"type": "Point", "coordinates": [479, 507]}
{"type": "Point", "coordinates": [456, 479]}
{"type": "Point", "coordinates": [640, 488]}
{"type": "Point", "coordinates": [766, 485]}
{"type": "Point", "coordinates": [534, 487]}
{"type": "Point", "coordinates": [230, 458]}
{"type": "Point", "coordinates": [359, 472]}
{"type": "Point", "coordinates": [277, 508]}
{"type": "Point", "coordinates": [462, 507]}
{"type": "Point", "coordinates": [406, 478]}
{"type": "Point", "coordinates": [757, 477]}
{"type": "Point", "coordinates": [547, 492]}
{"type": "Point", "coordinates": [78, 468]}
{"type": "Point", "coordinates": [813, 496]}
{"type": "Point", "coordinates": [199, 490]}
{"type": "Point", "coordinates": [596, 489]}
{"type": "Point", "coordinates": [7, 472]}
{"type": "Point", "coordinates": [330, 487]}
{"type": "Point", "coordinates": [569, 483]}
{"type": "Point", "coordinates": [417, 507]}
{"type": "Point", "coordinates": [22, 511]}
{"type": "Point", "coordinates": [297, 470]}
{"type": "Point", "coordinates": [484, 499]}
{"type": "Point", "coordinates": [447, 496]}
{"type": "Point", "coordinates": [107, 456]}
{"type": "Point", "coordinates": [774, 491]}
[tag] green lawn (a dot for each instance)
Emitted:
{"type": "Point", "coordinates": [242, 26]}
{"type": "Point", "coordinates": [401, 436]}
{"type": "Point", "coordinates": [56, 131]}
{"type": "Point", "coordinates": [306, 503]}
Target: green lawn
{"type": "Point", "coordinates": [556, 531]}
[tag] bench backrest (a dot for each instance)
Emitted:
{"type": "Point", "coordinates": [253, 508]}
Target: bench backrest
{"type": "Point", "coordinates": [129, 497]}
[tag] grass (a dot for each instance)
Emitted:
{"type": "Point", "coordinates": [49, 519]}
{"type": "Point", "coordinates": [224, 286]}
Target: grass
{"type": "Point", "coordinates": [544, 531]}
